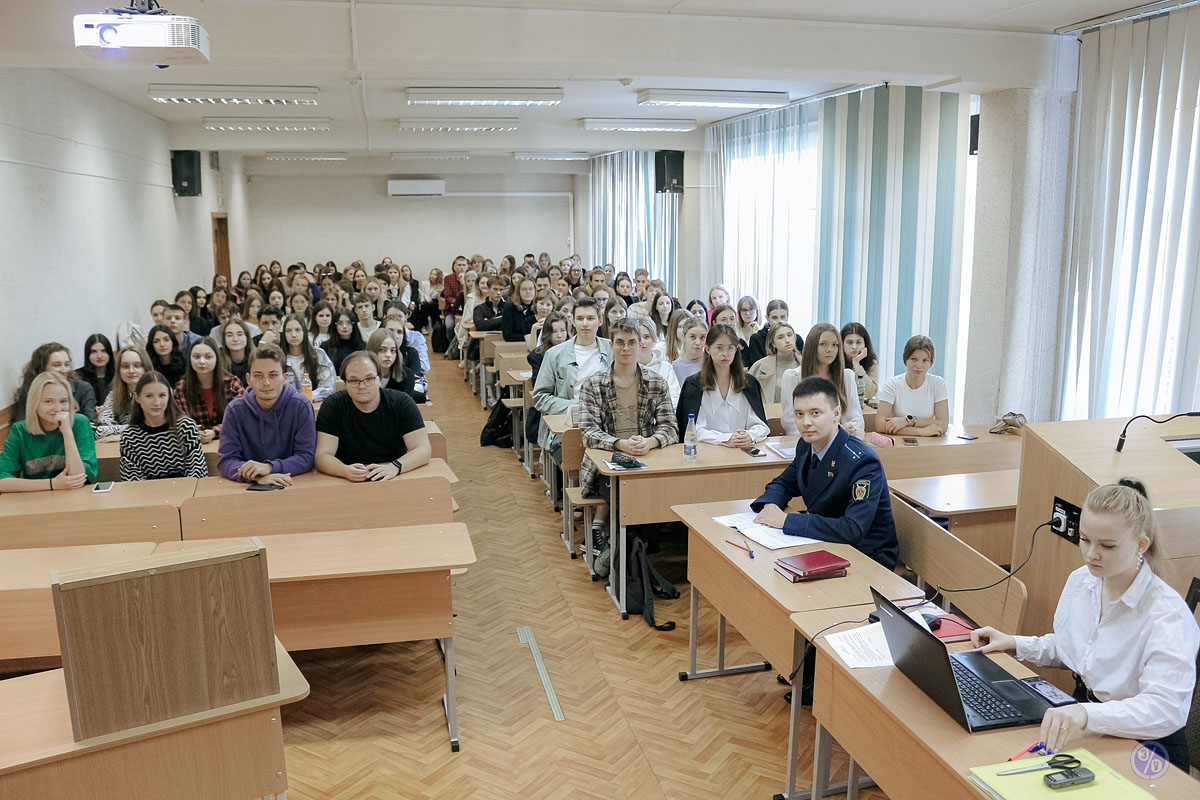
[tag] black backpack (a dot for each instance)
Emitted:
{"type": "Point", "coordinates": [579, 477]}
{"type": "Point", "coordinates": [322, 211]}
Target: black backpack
{"type": "Point", "coordinates": [497, 430]}
{"type": "Point", "coordinates": [643, 583]}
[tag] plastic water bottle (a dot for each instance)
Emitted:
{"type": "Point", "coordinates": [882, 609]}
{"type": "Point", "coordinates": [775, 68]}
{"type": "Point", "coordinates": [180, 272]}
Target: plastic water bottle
{"type": "Point", "coordinates": [690, 440]}
{"type": "Point", "coordinates": [306, 386]}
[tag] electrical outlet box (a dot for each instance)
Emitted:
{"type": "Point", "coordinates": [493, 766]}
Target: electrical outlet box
{"type": "Point", "coordinates": [1065, 520]}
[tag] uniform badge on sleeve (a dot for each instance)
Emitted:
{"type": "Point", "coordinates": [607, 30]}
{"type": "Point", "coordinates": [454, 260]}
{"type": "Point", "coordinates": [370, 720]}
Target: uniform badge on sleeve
{"type": "Point", "coordinates": [862, 489]}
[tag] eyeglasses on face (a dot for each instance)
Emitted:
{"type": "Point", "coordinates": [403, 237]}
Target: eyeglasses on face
{"type": "Point", "coordinates": [359, 384]}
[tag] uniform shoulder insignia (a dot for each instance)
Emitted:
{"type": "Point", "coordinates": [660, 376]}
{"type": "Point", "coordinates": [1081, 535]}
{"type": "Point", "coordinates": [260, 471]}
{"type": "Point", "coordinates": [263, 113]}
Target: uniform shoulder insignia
{"type": "Point", "coordinates": [861, 489]}
{"type": "Point", "coordinates": [852, 451]}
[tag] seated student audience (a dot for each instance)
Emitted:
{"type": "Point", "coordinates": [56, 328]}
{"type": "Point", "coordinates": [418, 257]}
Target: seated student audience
{"type": "Point", "coordinates": [719, 295]}
{"type": "Point", "coordinates": [409, 290]}
{"type": "Point", "coordinates": [56, 358]}
{"type": "Point", "coordinates": [564, 369]}
{"type": "Point", "coordinates": [304, 359]}
{"type": "Point", "coordinates": [601, 295]}
{"type": "Point", "coordinates": [322, 323]}
{"type": "Point", "coordinates": [724, 315]}
{"type": "Point", "coordinates": [51, 447]}
{"type": "Point", "coordinates": [132, 363]}
{"type": "Point", "coordinates": [373, 290]}
{"type": "Point", "coordinates": [691, 349]}
{"type": "Point", "coordinates": [217, 298]}
{"type": "Point", "coordinates": [597, 280]}
{"type": "Point", "coordinates": [697, 309]}
{"type": "Point", "coordinates": [561, 287]}
{"type": "Point", "coordinates": [726, 402]}
{"type": "Point", "coordinates": [614, 310]}
{"type": "Point", "coordinates": [300, 305]}
{"type": "Point", "coordinates": [541, 282]}
{"type": "Point", "coordinates": [175, 318]}
{"type": "Point", "coordinates": [159, 441]}
{"type": "Point", "coordinates": [345, 340]}
{"type": "Point", "coordinates": [860, 357]}
{"type": "Point", "coordinates": [252, 306]}
{"type": "Point", "coordinates": [164, 352]}
{"type": "Point", "coordinates": [412, 338]}
{"type": "Point", "coordinates": [428, 312]}
{"type": "Point", "coordinates": [914, 403]}
{"type": "Point", "coordinates": [202, 321]}
{"type": "Point", "coordinates": [822, 358]}
{"type": "Point", "coordinates": [269, 433]}
{"type": "Point", "coordinates": [468, 297]}
{"type": "Point", "coordinates": [270, 321]}
{"type": "Point", "coordinates": [641, 276]}
{"type": "Point", "coordinates": [651, 357]}
{"type": "Point", "coordinates": [623, 288]}
{"type": "Point", "coordinates": [451, 289]}
{"type": "Point", "coordinates": [554, 273]}
{"type": "Point", "coordinates": [488, 314]}
{"type": "Point", "coordinates": [543, 305]}
{"type": "Point", "coordinates": [399, 364]}
{"type": "Point", "coordinates": [517, 315]}
{"type": "Point", "coordinates": [661, 308]}
{"type": "Point", "coordinates": [756, 347]}
{"type": "Point", "coordinates": [276, 297]}
{"type": "Point", "coordinates": [749, 319]}
{"type": "Point", "coordinates": [97, 370]}
{"type": "Point", "coordinates": [157, 309]}
{"type": "Point", "coordinates": [1121, 629]}
{"type": "Point", "coordinates": [840, 478]}
{"type": "Point", "coordinates": [244, 281]}
{"type": "Point", "coordinates": [625, 408]}
{"type": "Point", "coordinates": [674, 341]}
{"type": "Point", "coordinates": [781, 357]}
{"type": "Point", "coordinates": [574, 274]}
{"type": "Point", "coordinates": [205, 390]}
{"type": "Point", "coordinates": [367, 432]}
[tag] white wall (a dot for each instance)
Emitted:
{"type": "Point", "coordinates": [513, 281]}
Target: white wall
{"type": "Point", "coordinates": [90, 230]}
{"type": "Point", "coordinates": [309, 218]}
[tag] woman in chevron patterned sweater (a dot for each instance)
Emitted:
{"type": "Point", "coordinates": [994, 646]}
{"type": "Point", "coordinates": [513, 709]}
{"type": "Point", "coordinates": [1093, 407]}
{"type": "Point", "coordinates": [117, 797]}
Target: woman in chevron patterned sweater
{"type": "Point", "coordinates": [160, 442]}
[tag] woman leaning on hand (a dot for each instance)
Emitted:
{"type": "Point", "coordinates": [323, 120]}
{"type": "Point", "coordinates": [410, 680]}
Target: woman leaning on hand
{"type": "Point", "coordinates": [1126, 634]}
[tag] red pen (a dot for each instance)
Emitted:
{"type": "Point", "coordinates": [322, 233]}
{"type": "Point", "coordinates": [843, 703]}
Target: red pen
{"type": "Point", "coordinates": [1031, 748]}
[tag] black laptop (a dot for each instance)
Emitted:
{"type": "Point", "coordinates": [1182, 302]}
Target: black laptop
{"type": "Point", "coordinates": [968, 686]}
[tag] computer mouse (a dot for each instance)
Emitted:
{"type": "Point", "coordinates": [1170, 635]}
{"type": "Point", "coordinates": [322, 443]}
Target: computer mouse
{"type": "Point", "coordinates": [933, 622]}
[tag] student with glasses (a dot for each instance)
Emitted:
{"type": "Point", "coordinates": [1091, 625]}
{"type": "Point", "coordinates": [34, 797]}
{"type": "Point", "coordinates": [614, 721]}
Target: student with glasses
{"type": "Point", "coordinates": [726, 401]}
{"type": "Point", "coordinates": [367, 432]}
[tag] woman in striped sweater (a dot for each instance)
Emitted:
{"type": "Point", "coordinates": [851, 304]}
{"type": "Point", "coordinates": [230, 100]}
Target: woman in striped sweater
{"type": "Point", "coordinates": [160, 442]}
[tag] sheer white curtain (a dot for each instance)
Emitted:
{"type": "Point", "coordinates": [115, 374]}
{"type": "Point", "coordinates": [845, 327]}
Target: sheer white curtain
{"type": "Point", "coordinates": [632, 225]}
{"type": "Point", "coordinates": [1133, 338]}
{"type": "Point", "coordinates": [759, 212]}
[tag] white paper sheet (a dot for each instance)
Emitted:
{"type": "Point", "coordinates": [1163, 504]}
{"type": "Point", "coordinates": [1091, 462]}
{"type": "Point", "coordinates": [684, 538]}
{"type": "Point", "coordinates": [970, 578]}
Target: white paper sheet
{"type": "Point", "coordinates": [867, 646]}
{"type": "Point", "coordinates": [783, 449]}
{"type": "Point", "coordinates": [765, 535]}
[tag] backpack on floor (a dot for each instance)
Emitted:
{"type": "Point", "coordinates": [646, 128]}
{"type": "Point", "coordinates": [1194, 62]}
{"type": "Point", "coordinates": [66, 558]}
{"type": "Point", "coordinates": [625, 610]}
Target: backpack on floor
{"type": "Point", "coordinates": [643, 583]}
{"type": "Point", "coordinates": [439, 339]}
{"type": "Point", "coordinates": [497, 431]}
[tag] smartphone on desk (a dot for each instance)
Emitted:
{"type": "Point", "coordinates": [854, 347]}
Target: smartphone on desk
{"type": "Point", "coordinates": [910, 441]}
{"type": "Point", "coordinates": [263, 487]}
{"type": "Point", "coordinates": [102, 486]}
{"type": "Point", "coordinates": [754, 452]}
{"type": "Point", "coordinates": [968, 437]}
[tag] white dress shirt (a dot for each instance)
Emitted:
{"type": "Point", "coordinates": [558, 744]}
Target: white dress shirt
{"type": "Point", "coordinates": [1138, 657]}
{"type": "Point", "coordinates": [852, 416]}
{"type": "Point", "coordinates": [721, 417]}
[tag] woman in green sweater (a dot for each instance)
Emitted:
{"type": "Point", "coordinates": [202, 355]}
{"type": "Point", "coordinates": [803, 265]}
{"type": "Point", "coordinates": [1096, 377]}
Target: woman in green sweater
{"type": "Point", "coordinates": [53, 447]}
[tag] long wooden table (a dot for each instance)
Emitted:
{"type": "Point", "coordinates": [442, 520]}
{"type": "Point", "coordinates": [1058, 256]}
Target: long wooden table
{"type": "Point", "coordinates": [749, 593]}
{"type": "Point", "coordinates": [230, 753]}
{"type": "Point", "coordinates": [909, 746]}
{"type": "Point", "coordinates": [981, 506]}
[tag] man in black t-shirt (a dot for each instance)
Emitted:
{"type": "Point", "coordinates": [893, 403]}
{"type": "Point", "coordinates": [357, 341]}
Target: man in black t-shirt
{"type": "Point", "coordinates": [366, 432]}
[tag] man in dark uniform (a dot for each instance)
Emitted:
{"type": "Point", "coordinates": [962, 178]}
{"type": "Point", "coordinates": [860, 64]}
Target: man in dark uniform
{"type": "Point", "coordinates": [839, 477]}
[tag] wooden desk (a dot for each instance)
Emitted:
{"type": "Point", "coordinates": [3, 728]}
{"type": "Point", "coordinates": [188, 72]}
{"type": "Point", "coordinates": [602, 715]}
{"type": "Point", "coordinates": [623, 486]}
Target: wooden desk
{"type": "Point", "coordinates": [229, 753]}
{"type": "Point", "coordinates": [437, 440]}
{"type": "Point", "coordinates": [211, 487]}
{"type": "Point", "coordinates": [759, 601]}
{"type": "Point", "coordinates": [145, 511]}
{"type": "Point", "coordinates": [30, 630]}
{"type": "Point", "coordinates": [108, 457]}
{"type": "Point", "coordinates": [648, 495]}
{"type": "Point", "coordinates": [950, 455]}
{"type": "Point", "coordinates": [342, 588]}
{"type": "Point", "coordinates": [981, 506]}
{"type": "Point", "coordinates": [909, 745]}
{"type": "Point", "coordinates": [515, 377]}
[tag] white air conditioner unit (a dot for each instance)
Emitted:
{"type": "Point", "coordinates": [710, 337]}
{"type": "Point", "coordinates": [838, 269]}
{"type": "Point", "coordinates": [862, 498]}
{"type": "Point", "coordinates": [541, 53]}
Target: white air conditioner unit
{"type": "Point", "coordinates": [416, 188]}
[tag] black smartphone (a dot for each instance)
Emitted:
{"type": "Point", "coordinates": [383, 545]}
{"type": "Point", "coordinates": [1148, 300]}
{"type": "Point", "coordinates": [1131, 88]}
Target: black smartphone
{"type": "Point", "coordinates": [263, 487]}
{"type": "Point", "coordinates": [754, 452]}
{"type": "Point", "coordinates": [968, 437]}
{"type": "Point", "coordinates": [1069, 777]}
{"type": "Point", "coordinates": [910, 442]}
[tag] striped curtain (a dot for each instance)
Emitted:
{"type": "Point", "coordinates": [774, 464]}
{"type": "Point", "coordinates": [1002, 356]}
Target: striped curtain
{"type": "Point", "coordinates": [892, 168]}
{"type": "Point", "coordinates": [632, 225]}
{"type": "Point", "coordinates": [1133, 340]}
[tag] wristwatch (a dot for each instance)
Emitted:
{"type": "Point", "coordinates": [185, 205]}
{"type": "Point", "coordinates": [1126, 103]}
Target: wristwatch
{"type": "Point", "coordinates": [910, 418]}
{"type": "Point", "coordinates": [399, 467]}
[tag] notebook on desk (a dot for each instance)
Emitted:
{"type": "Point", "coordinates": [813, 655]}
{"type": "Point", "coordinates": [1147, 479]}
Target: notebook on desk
{"type": "Point", "coordinates": [1108, 784]}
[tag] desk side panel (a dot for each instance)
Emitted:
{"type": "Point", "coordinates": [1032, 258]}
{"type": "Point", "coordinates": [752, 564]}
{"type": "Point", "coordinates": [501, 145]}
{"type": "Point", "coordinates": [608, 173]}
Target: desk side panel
{"type": "Point", "coordinates": [155, 523]}
{"type": "Point", "coordinates": [985, 455]}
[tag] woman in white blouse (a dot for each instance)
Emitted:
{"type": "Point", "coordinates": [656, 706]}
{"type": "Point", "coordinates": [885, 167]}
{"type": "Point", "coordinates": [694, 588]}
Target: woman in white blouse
{"type": "Point", "coordinates": [915, 403]}
{"type": "Point", "coordinates": [822, 358]}
{"type": "Point", "coordinates": [1126, 634]}
{"type": "Point", "coordinates": [725, 399]}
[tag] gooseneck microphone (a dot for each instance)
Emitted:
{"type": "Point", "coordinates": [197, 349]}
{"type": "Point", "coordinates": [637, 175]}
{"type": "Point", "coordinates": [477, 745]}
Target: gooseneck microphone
{"type": "Point", "coordinates": [1121, 439]}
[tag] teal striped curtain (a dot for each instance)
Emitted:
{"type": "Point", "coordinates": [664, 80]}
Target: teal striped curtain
{"type": "Point", "coordinates": [632, 225]}
{"type": "Point", "coordinates": [892, 168]}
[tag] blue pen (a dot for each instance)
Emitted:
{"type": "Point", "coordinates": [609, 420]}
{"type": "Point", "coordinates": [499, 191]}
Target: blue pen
{"type": "Point", "coordinates": [748, 550]}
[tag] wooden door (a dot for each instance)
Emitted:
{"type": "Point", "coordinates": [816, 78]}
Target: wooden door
{"type": "Point", "coordinates": [220, 233]}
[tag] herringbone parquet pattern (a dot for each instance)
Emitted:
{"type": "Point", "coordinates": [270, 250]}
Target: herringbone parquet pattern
{"type": "Point", "coordinates": [373, 728]}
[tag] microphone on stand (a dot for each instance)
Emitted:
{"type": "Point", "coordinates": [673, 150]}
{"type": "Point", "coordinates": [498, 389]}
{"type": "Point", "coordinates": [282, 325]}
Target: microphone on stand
{"type": "Point", "coordinates": [1121, 439]}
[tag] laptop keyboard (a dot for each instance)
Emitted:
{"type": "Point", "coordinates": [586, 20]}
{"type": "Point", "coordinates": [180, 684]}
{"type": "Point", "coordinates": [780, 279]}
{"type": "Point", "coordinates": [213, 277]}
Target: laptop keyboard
{"type": "Point", "coordinates": [978, 696]}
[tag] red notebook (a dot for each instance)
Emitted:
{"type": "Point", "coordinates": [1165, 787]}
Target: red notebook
{"type": "Point", "coordinates": [810, 566]}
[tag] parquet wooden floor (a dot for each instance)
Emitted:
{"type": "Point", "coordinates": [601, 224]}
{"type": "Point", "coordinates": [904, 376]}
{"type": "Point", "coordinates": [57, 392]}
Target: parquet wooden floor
{"type": "Point", "coordinates": [373, 729]}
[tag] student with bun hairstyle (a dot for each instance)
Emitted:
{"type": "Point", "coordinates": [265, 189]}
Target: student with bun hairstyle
{"type": "Point", "coordinates": [726, 401]}
{"type": "Point", "coordinates": [52, 447]}
{"type": "Point", "coordinates": [1128, 637]}
{"type": "Point", "coordinates": [160, 442]}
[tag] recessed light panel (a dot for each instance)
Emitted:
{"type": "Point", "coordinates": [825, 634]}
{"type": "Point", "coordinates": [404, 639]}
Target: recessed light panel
{"type": "Point", "coordinates": [483, 97]}
{"type": "Point", "coordinates": [179, 94]}
{"type": "Point", "coordinates": [638, 125]}
{"type": "Point", "coordinates": [270, 124]}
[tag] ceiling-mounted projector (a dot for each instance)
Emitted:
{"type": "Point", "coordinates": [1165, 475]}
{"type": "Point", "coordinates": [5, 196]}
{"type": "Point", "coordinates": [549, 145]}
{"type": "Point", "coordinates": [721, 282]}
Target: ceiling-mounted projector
{"type": "Point", "coordinates": [142, 34]}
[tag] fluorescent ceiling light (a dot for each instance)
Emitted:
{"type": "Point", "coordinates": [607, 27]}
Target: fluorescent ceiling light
{"type": "Point", "coordinates": [233, 95]}
{"type": "Point", "coordinates": [311, 156]}
{"type": "Point", "coordinates": [483, 97]}
{"type": "Point", "coordinates": [681, 125]}
{"type": "Point", "coordinates": [267, 124]}
{"type": "Point", "coordinates": [432, 155]}
{"type": "Point", "coordinates": [551, 155]}
{"type": "Point", "coordinates": [714, 99]}
{"type": "Point", "coordinates": [460, 124]}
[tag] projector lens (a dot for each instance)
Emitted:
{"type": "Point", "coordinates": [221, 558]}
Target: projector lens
{"type": "Point", "coordinates": [108, 34]}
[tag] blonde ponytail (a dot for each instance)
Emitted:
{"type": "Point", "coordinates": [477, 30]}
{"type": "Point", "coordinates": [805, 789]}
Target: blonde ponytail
{"type": "Point", "coordinates": [1128, 499]}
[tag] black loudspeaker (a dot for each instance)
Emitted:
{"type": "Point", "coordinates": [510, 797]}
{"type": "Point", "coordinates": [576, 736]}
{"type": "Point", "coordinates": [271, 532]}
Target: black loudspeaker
{"type": "Point", "coordinates": [185, 172]}
{"type": "Point", "coordinates": [974, 148]}
{"type": "Point", "coordinates": [668, 171]}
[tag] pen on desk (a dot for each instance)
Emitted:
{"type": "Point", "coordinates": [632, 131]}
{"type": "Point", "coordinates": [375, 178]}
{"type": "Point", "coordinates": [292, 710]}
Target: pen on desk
{"type": "Point", "coordinates": [748, 550]}
{"type": "Point", "coordinates": [740, 547]}
{"type": "Point", "coordinates": [1030, 749]}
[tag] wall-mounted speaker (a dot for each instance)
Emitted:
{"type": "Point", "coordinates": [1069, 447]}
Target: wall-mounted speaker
{"type": "Point", "coordinates": [185, 172]}
{"type": "Point", "coordinates": [974, 145]}
{"type": "Point", "coordinates": [668, 171]}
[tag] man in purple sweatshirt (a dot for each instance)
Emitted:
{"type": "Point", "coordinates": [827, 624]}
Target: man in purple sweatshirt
{"type": "Point", "coordinates": [269, 433]}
